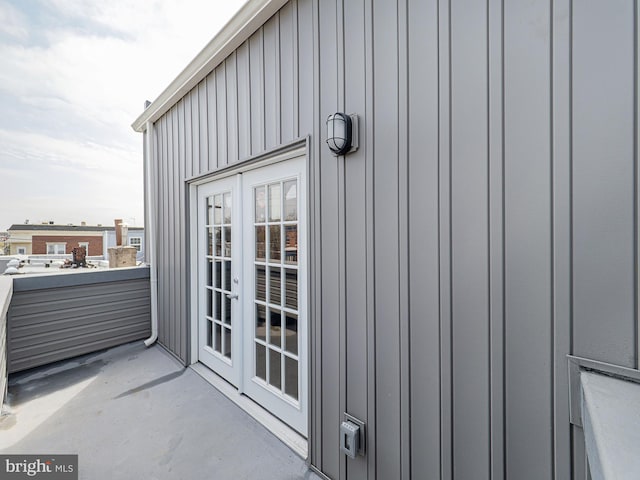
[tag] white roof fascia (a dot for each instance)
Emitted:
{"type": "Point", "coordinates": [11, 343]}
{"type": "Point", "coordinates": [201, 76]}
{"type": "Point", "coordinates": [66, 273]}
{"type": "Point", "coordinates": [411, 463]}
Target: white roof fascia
{"type": "Point", "coordinates": [242, 25]}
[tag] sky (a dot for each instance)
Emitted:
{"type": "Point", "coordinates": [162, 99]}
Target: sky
{"type": "Point", "coordinates": [74, 75]}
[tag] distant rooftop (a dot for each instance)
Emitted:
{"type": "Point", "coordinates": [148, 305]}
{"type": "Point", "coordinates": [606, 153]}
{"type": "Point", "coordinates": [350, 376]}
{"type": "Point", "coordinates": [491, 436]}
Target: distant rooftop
{"type": "Point", "coordinates": [65, 228]}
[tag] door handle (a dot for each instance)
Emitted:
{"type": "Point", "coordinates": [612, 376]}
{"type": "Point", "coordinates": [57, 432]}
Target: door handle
{"type": "Point", "coordinates": [232, 295]}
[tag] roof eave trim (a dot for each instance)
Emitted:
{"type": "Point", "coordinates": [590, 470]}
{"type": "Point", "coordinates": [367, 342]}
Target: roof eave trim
{"type": "Point", "coordinates": [242, 25]}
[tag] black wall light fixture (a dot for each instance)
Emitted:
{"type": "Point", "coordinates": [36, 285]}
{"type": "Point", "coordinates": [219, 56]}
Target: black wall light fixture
{"type": "Point", "coordinates": [342, 133]}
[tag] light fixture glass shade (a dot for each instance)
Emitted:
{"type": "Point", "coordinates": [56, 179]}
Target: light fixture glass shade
{"type": "Point", "coordinates": [339, 133]}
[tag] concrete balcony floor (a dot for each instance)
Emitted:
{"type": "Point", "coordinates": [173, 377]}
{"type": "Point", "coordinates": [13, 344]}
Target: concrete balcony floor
{"type": "Point", "coordinates": [135, 413]}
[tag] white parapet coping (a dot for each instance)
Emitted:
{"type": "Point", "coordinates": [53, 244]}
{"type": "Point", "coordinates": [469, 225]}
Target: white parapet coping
{"type": "Point", "coordinates": [611, 422]}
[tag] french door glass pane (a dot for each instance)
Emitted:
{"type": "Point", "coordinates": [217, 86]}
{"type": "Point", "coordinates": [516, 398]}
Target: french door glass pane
{"type": "Point", "coordinates": [217, 234]}
{"type": "Point", "coordinates": [227, 276]}
{"type": "Point", "coordinates": [290, 200]}
{"type": "Point", "coordinates": [261, 283]}
{"type": "Point", "coordinates": [261, 322]}
{"type": "Point", "coordinates": [274, 285]}
{"type": "Point", "coordinates": [275, 374]}
{"type": "Point", "coordinates": [261, 362]}
{"type": "Point", "coordinates": [291, 377]}
{"type": "Point", "coordinates": [291, 244]}
{"type": "Point", "coordinates": [227, 208]}
{"type": "Point", "coordinates": [260, 244]}
{"type": "Point", "coordinates": [217, 210]}
{"type": "Point", "coordinates": [227, 241]}
{"type": "Point", "coordinates": [227, 310]}
{"type": "Point", "coordinates": [218, 274]}
{"type": "Point", "coordinates": [274, 243]}
{"type": "Point", "coordinates": [274, 202]}
{"type": "Point", "coordinates": [291, 333]}
{"type": "Point", "coordinates": [227, 342]}
{"type": "Point", "coordinates": [218, 315]}
{"type": "Point", "coordinates": [209, 333]}
{"type": "Point", "coordinates": [218, 338]}
{"type": "Point", "coordinates": [291, 288]}
{"type": "Point", "coordinates": [260, 206]}
{"type": "Point", "coordinates": [275, 327]}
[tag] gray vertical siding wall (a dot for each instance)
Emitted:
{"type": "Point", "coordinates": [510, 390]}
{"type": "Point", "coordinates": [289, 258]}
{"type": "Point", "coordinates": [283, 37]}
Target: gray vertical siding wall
{"type": "Point", "coordinates": [251, 103]}
{"type": "Point", "coordinates": [55, 317]}
{"type": "Point", "coordinates": [486, 227]}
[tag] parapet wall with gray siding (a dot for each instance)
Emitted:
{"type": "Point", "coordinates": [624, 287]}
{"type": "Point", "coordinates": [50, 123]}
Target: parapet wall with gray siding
{"type": "Point", "coordinates": [486, 227]}
{"type": "Point", "coordinates": [54, 317]}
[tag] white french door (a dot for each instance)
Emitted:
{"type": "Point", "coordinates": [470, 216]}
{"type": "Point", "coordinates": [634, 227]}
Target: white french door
{"type": "Point", "coordinates": [219, 257]}
{"type": "Point", "coordinates": [275, 347]}
{"type": "Point", "coordinates": [252, 289]}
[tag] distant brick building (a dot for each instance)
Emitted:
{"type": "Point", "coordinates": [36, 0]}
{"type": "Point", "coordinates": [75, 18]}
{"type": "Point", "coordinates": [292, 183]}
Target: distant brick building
{"type": "Point", "coordinates": [49, 239]}
{"type": "Point", "coordinates": [64, 244]}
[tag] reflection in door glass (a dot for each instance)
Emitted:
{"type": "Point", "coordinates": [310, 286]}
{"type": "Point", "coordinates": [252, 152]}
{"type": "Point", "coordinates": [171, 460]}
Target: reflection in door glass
{"type": "Point", "coordinates": [218, 274]}
{"type": "Point", "coordinates": [291, 244]}
{"type": "Point", "coordinates": [291, 377]}
{"type": "Point", "coordinates": [275, 327]}
{"type": "Point", "coordinates": [218, 315]}
{"type": "Point", "coordinates": [227, 276]}
{"type": "Point", "coordinates": [290, 200]}
{"type": "Point", "coordinates": [217, 238]}
{"type": "Point", "coordinates": [227, 208]}
{"type": "Point", "coordinates": [227, 241]}
{"type": "Point", "coordinates": [227, 342]}
{"type": "Point", "coordinates": [261, 283]}
{"type": "Point", "coordinates": [261, 323]}
{"type": "Point", "coordinates": [227, 310]}
{"type": "Point", "coordinates": [261, 362]}
{"type": "Point", "coordinates": [291, 333]}
{"type": "Point", "coordinates": [260, 204]}
{"type": "Point", "coordinates": [291, 288]}
{"type": "Point", "coordinates": [274, 202]}
{"type": "Point", "coordinates": [260, 244]}
{"type": "Point", "coordinates": [217, 210]}
{"type": "Point", "coordinates": [276, 287]}
{"type": "Point", "coordinates": [274, 243]}
{"type": "Point", "coordinates": [275, 375]}
{"type": "Point", "coordinates": [218, 338]}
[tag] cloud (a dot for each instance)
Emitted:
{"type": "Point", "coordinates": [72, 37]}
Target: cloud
{"type": "Point", "coordinates": [12, 23]}
{"type": "Point", "coordinates": [78, 73]}
{"type": "Point", "coordinates": [67, 181]}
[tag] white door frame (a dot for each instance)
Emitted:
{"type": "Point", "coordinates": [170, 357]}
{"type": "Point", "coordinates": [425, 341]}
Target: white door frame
{"type": "Point", "coordinates": [193, 185]}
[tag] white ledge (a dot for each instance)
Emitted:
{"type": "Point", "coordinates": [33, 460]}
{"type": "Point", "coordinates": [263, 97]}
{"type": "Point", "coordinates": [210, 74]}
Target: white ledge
{"type": "Point", "coordinates": [611, 421]}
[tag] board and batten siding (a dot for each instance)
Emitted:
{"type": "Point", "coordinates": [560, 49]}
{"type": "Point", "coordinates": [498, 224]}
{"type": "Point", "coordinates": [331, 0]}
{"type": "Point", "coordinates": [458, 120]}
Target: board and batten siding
{"type": "Point", "coordinates": [486, 227]}
{"type": "Point", "coordinates": [247, 105]}
{"type": "Point", "coordinates": [55, 317]}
